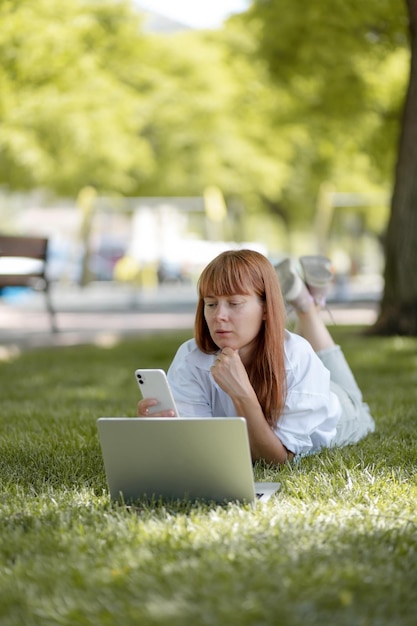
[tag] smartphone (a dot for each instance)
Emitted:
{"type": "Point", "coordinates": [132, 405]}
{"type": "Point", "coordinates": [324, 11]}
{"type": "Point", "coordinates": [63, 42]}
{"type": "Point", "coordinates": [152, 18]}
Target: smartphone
{"type": "Point", "coordinates": [154, 384]}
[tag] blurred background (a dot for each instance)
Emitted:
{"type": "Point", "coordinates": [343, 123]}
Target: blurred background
{"type": "Point", "coordinates": [143, 140]}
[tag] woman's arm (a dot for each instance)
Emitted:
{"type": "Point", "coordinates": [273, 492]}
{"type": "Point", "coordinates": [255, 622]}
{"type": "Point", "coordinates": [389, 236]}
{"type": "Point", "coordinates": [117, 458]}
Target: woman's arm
{"type": "Point", "coordinates": [264, 443]}
{"type": "Point", "coordinates": [230, 374]}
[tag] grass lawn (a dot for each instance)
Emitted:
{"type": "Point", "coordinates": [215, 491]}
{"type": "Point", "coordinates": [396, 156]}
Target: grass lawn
{"type": "Point", "coordinates": [336, 546]}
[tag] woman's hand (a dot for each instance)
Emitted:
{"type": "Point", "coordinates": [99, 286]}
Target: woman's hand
{"type": "Point", "coordinates": [230, 374]}
{"type": "Point", "coordinates": [144, 406]}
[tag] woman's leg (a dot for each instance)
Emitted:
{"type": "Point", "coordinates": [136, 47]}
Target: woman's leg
{"type": "Point", "coordinates": [311, 326]}
{"type": "Point", "coordinates": [356, 420]}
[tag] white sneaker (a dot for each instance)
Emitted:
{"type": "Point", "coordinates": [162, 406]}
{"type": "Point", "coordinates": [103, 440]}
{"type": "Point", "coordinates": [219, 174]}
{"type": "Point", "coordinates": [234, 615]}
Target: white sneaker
{"type": "Point", "coordinates": [318, 276]}
{"type": "Point", "coordinates": [293, 288]}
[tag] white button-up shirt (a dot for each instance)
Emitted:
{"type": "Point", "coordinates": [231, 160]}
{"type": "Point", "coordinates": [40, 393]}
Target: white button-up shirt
{"type": "Point", "coordinates": [311, 412]}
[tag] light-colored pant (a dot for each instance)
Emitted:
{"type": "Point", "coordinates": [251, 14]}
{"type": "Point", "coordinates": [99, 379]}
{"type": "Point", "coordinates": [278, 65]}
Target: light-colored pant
{"type": "Point", "coordinates": [356, 420]}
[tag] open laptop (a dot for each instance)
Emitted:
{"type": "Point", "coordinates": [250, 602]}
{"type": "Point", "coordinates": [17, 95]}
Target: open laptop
{"type": "Point", "coordinates": [179, 458]}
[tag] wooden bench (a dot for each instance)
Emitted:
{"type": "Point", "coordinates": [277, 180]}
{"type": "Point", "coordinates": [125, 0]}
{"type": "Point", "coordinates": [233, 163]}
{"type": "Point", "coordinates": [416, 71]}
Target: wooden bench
{"type": "Point", "coordinates": [30, 249]}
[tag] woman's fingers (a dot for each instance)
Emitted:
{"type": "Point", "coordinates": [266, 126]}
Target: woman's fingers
{"type": "Point", "coordinates": [145, 406]}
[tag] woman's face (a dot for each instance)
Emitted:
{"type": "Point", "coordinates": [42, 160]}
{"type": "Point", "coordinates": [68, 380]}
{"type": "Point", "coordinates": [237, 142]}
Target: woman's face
{"type": "Point", "coordinates": [234, 321]}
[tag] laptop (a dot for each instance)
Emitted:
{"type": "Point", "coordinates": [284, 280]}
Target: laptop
{"type": "Point", "coordinates": [180, 458]}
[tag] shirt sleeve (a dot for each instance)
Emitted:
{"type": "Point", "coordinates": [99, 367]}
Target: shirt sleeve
{"type": "Point", "coordinates": [188, 384]}
{"type": "Point", "coordinates": [312, 411]}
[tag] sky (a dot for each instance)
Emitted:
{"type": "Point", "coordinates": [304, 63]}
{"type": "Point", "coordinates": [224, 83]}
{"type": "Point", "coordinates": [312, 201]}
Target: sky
{"type": "Point", "coordinates": [196, 13]}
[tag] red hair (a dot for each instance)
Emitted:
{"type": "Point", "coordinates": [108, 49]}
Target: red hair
{"type": "Point", "coordinates": [244, 272]}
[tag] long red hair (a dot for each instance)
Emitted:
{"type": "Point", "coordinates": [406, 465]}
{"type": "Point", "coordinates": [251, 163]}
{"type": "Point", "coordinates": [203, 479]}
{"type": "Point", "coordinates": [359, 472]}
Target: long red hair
{"type": "Point", "coordinates": [243, 272]}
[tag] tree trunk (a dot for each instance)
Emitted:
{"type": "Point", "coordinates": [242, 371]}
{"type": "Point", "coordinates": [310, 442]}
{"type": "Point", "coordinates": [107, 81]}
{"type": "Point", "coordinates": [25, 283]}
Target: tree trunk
{"type": "Point", "coordinates": [398, 312]}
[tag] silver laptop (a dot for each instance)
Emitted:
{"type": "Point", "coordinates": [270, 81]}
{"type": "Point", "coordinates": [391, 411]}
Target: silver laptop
{"type": "Point", "coordinates": [179, 458]}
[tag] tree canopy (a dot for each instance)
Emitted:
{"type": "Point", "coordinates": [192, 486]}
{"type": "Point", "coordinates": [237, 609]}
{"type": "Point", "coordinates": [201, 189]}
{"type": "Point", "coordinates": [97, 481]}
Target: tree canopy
{"type": "Point", "coordinates": [345, 67]}
{"type": "Point", "coordinates": [69, 115]}
{"type": "Point", "coordinates": [283, 98]}
{"type": "Point", "coordinates": [354, 66]}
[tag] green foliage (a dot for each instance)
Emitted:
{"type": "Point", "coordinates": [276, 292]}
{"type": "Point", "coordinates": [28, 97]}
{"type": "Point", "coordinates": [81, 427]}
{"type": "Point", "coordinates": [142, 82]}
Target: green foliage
{"type": "Point", "coordinates": [68, 117]}
{"type": "Point", "coordinates": [336, 60]}
{"type": "Point", "coordinates": [337, 545]}
{"type": "Point", "coordinates": [280, 100]}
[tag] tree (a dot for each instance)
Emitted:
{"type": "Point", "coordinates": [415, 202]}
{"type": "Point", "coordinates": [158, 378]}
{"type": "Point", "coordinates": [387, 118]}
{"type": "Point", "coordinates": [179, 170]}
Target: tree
{"type": "Point", "coordinates": [88, 99]}
{"type": "Point", "coordinates": [294, 38]}
{"type": "Point", "coordinates": [209, 108]}
{"type": "Point", "coordinates": [68, 115]}
{"type": "Point", "coordinates": [398, 313]}
{"type": "Point", "coordinates": [266, 109]}
{"type": "Point", "coordinates": [343, 67]}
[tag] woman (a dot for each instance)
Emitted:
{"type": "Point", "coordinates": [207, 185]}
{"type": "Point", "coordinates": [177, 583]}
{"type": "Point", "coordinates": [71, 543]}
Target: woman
{"type": "Point", "coordinates": [296, 391]}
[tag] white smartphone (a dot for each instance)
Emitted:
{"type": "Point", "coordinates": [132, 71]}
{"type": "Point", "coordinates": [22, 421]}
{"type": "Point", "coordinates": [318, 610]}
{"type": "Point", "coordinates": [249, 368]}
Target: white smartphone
{"type": "Point", "coordinates": [154, 384]}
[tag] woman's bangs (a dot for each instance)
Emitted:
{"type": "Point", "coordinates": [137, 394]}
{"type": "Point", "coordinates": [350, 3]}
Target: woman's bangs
{"type": "Point", "coordinates": [225, 280]}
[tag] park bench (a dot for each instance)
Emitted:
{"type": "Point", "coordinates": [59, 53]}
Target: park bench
{"type": "Point", "coordinates": [26, 266]}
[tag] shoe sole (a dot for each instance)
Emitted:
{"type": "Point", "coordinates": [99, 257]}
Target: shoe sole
{"type": "Point", "coordinates": [316, 270]}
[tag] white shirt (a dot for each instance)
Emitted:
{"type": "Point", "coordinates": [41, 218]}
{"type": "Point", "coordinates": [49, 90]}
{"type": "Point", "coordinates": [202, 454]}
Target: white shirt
{"type": "Point", "coordinates": [311, 412]}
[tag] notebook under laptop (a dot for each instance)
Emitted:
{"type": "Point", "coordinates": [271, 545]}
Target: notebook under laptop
{"type": "Point", "coordinates": [179, 458]}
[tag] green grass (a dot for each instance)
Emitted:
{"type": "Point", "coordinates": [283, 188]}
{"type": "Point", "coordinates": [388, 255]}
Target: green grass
{"type": "Point", "coordinates": [336, 546]}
